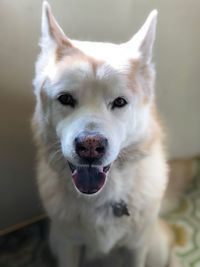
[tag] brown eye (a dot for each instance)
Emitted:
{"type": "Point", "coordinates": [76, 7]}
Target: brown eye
{"type": "Point", "coordinates": [119, 102]}
{"type": "Point", "coordinates": [67, 100]}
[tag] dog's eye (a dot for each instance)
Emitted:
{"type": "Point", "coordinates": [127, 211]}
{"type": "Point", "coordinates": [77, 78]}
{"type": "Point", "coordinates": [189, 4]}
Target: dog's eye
{"type": "Point", "coordinates": [67, 100]}
{"type": "Point", "coordinates": [119, 102]}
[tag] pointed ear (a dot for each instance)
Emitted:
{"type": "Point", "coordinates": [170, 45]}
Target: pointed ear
{"type": "Point", "coordinates": [143, 40]}
{"type": "Point", "coordinates": [52, 34]}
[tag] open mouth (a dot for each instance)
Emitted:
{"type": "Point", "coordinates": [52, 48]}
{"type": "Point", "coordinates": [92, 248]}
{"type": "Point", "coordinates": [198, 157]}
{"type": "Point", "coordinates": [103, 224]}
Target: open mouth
{"type": "Point", "coordinates": [89, 179]}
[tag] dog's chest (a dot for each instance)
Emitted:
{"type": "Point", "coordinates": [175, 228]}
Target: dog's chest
{"type": "Point", "coordinates": [103, 226]}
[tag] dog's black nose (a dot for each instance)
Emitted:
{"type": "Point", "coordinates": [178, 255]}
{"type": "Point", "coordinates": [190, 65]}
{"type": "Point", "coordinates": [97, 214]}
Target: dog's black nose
{"type": "Point", "coordinates": [91, 146]}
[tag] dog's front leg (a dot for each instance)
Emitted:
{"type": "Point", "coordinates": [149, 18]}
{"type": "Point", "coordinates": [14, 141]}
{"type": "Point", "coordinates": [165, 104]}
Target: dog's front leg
{"type": "Point", "coordinates": [139, 257]}
{"type": "Point", "coordinates": [66, 252]}
{"type": "Point", "coordinates": [160, 246]}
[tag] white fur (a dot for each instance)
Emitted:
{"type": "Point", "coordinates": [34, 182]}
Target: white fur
{"type": "Point", "coordinates": [138, 174]}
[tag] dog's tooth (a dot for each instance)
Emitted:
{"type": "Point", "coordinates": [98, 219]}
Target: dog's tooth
{"type": "Point", "coordinates": [72, 167]}
{"type": "Point", "coordinates": [106, 168]}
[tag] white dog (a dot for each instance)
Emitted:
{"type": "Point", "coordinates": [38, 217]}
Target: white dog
{"type": "Point", "coordinates": [102, 170]}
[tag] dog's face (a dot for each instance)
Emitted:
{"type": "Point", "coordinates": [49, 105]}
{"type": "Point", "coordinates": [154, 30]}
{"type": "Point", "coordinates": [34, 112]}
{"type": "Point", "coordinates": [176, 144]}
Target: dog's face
{"type": "Point", "coordinates": [94, 98]}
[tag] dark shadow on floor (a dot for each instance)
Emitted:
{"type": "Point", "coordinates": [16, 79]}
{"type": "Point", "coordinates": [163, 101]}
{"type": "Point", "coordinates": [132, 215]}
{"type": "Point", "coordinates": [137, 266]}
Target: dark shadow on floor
{"type": "Point", "coordinates": [28, 247]}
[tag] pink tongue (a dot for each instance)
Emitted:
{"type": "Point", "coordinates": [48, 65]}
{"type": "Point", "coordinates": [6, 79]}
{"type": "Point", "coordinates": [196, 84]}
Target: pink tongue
{"type": "Point", "coordinates": [89, 180]}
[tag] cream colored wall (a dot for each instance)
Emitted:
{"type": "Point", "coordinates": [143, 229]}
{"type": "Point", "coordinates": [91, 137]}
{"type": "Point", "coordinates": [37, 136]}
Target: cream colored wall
{"type": "Point", "coordinates": [177, 61]}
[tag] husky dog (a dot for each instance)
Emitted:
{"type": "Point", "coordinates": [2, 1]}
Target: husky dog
{"type": "Point", "coordinates": [102, 170]}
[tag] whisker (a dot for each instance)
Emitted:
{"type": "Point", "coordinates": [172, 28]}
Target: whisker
{"type": "Point", "coordinates": [55, 144]}
{"type": "Point", "coordinates": [55, 154]}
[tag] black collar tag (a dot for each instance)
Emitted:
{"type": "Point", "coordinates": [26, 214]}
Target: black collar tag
{"type": "Point", "coordinates": [120, 209]}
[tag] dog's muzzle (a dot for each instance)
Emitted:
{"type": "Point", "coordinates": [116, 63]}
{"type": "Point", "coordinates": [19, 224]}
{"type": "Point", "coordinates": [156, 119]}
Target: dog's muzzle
{"type": "Point", "coordinates": [90, 175]}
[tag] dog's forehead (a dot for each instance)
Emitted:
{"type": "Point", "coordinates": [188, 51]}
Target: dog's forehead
{"type": "Point", "coordinates": [92, 62]}
{"type": "Point", "coordinates": [79, 68]}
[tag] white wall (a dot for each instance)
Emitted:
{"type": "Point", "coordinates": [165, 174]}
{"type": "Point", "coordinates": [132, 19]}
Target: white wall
{"type": "Point", "coordinates": [177, 60]}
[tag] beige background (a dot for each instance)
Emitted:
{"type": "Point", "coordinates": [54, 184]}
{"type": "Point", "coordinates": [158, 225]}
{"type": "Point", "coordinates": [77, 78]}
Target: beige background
{"type": "Point", "coordinates": [177, 60]}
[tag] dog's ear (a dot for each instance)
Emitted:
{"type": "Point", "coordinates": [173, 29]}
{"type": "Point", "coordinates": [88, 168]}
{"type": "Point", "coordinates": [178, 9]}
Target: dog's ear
{"type": "Point", "coordinates": [143, 40]}
{"type": "Point", "coordinates": [52, 34]}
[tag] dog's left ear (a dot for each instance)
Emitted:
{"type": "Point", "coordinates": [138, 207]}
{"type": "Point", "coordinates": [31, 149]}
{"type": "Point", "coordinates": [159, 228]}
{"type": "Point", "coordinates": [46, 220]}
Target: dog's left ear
{"type": "Point", "coordinates": [143, 40]}
{"type": "Point", "coordinates": [52, 34]}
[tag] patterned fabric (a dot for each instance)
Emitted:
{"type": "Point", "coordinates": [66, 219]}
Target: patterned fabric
{"type": "Point", "coordinates": [28, 247]}
{"type": "Point", "coordinates": [186, 224]}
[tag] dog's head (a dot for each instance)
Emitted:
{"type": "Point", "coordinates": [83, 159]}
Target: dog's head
{"type": "Point", "coordinates": [94, 99]}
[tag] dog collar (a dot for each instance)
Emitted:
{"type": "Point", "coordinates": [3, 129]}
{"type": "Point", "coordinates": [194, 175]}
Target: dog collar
{"type": "Point", "coordinates": [120, 209]}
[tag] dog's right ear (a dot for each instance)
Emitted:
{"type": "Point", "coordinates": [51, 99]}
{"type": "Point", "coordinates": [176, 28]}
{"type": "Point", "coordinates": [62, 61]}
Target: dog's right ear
{"type": "Point", "coordinates": [52, 34]}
